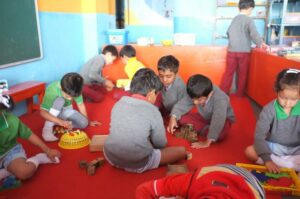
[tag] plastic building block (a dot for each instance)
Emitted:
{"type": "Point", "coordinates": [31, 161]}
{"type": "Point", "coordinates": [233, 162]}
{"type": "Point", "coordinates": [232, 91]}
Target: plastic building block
{"type": "Point", "coordinates": [287, 181]}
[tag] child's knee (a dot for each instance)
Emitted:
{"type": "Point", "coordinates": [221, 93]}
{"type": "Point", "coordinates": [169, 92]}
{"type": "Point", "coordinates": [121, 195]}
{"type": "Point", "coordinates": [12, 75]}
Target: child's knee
{"type": "Point", "coordinates": [83, 123]}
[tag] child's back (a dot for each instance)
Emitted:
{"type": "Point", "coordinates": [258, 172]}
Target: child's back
{"type": "Point", "coordinates": [241, 32]}
{"type": "Point", "coordinates": [128, 144]}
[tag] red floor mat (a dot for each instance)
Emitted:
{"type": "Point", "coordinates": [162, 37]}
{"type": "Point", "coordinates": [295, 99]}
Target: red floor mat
{"type": "Point", "coordinates": [66, 180]}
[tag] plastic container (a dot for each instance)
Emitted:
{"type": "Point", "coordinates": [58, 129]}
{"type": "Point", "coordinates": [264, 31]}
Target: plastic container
{"type": "Point", "coordinates": [117, 36]}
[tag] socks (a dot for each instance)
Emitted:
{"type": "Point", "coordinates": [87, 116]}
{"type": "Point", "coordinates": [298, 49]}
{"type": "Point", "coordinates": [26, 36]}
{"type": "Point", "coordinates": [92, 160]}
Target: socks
{"type": "Point", "coordinates": [4, 173]}
{"type": "Point", "coordinates": [42, 158]}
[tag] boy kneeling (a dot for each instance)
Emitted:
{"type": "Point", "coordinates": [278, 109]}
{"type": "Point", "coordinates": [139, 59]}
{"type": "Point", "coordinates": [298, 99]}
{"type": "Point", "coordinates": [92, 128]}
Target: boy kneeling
{"type": "Point", "coordinates": [136, 142]}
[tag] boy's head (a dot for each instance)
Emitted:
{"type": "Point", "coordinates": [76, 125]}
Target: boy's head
{"type": "Point", "coordinates": [287, 86]}
{"type": "Point", "coordinates": [246, 6]}
{"type": "Point", "coordinates": [71, 85]}
{"type": "Point", "coordinates": [127, 52]}
{"type": "Point", "coordinates": [145, 82]}
{"type": "Point", "coordinates": [199, 88]}
{"type": "Point", "coordinates": [110, 53]}
{"type": "Point", "coordinates": [167, 67]}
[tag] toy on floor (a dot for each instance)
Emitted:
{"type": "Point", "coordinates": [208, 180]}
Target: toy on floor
{"type": "Point", "coordinates": [10, 182]}
{"type": "Point", "coordinates": [187, 132]}
{"type": "Point", "coordinates": [92, 166]}
{"type": "Point", "coordinates": [97, 143]}
{"type": "Point", "coordinates": [287, 181]}
{"type": "Point", "coordinates": [74, 140]}
{"type": "Point", "coordinates": [177, 169]}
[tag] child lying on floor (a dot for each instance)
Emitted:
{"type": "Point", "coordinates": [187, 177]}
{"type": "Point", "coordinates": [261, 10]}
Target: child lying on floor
{"type": "Point", "coordinates": [13, 160]}
{"type": "Point", "coordinates": [277, 133]}
{"type": "Point", "coordinates": [137, 142]}
{"type": "Point", "coordinates": [220, 181]}
{"type": "Point", "coordinates": [215, 114]}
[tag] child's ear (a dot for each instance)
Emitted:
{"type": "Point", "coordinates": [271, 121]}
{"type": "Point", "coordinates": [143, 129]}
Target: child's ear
{"type": "Point", "coordinates": [151, 96]}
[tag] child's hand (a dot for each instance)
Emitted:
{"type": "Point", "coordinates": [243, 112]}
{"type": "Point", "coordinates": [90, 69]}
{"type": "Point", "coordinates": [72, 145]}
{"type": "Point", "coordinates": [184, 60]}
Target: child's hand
{"type": "Point", "coordinates": [201, 145]}
{"type": "Point", "coordinates": [172, 125]}
{"type": "Point", "coordinates": [109, 85]}
{"type": "Point", "coordinates": [53, 154]}
{"type": "Point", "coordinates": [95, 123]}
{"type": "Point", "coordinates": [272, 167]}
{"type": "Point", "coordinates": [66, 124]}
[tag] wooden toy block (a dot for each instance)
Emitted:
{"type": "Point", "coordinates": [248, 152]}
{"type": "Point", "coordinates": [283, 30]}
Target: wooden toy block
{"type": "Point", "coordinates": [92, 166]}
{"type": "Point", "coordinates": [97, 143]}
{"type": "Point", "coordinates": [177, 169]}
{"type": "Point", "coordinates": [187, 132]}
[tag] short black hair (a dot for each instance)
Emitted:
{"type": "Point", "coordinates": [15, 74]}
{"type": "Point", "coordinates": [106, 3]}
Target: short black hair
{"type": "Point", "coordinates": [287, 78]}
{"type": "Point", "coordinates": [245, 4]}
{"type": "Point", "coordinates": [168, 62]}
{"type": "Point", "coordinates": [199, 86]}
{"type": "Point", "coordinates": [127, 51]}
{"type": "Point", "coordinates": [110, 49]}
{"type": "Point", "coordinates": [144, 81]}
{"type": "Point", "coordinates": [10, 103]}
{"type": "Point", "coordinates": [72, 84]}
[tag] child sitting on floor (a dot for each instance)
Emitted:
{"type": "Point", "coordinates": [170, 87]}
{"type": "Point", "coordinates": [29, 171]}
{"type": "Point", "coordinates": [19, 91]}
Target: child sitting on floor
{"type": "Point", "coordinates": [137, 142]}
{"type": "Point", "coordinates": [13, 160]}
{"type": "Point", "coordinates": [220, 181]}
{"type": "Point", "coordinates": [94, 83]}
{"type": "Point", "coordinates": [132, 65]}
{"type": "Point", "coordinates": [174, 88]}
{"type": "Point", "coordinates": [215, 114]}
{"type": "Point", "coordinates": [56, 107]}
{"type": "Point", "coordinates": [277, 134]}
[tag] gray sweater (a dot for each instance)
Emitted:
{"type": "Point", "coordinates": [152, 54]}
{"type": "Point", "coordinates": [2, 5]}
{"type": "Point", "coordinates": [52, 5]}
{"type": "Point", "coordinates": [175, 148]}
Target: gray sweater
{"type": "Point", "coordinates": [285, 131]}
{"type": "Point", "coordinates": [174, 93]}
{"type": "Point", "coordinates": [241, 32]}
{"type": "Point", "coordinates": [136, 128]}
{"type": "Point", "coordinates": [216, 110]}
{"type": "Point", "coordinates": [92, 70]}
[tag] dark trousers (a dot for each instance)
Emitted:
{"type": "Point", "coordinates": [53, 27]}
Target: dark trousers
{"type": "Point", "coordinates": [94, 92]}
{"type": "Point", "coordinates": [236, 62]}
{"type": "Point", "coordinates": [202, 125]}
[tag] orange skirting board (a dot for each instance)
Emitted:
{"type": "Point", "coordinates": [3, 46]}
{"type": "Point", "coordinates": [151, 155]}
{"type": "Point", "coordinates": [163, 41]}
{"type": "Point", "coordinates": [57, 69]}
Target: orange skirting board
{"type": "Point", "coordinates": [262, 75]}
{"type": "Point", "coordinates": [206, 60]}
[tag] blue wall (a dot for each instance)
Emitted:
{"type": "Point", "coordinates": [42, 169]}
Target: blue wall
{"type": "Point", "coordinates": [64, 47]}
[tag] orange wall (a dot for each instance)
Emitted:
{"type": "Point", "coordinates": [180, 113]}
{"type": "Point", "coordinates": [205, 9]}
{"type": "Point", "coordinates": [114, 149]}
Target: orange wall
{"type": "Point", "coordinates": [77, 6]}
{"type": "Point", "coordinates": [207, 60]}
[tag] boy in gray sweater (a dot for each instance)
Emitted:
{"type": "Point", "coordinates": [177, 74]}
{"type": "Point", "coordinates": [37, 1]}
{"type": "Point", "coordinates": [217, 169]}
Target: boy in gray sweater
{"type": "Point", "coordinates": [215, 114]}
{"type": "Point", "coordinates": [94, 82]}
{"type": "Point", "coordinates": [241, 33]}
{"type": "Point", "coordinates": [174, 88]}
{"type": "Point", "coordinates": [277, 133]}
{"type": "Point", "coordinates": [137, 142]}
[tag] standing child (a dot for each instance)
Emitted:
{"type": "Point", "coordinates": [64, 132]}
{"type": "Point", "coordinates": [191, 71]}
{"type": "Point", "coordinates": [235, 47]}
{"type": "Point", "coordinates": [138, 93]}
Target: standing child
{"type": "Point", "coordinates": [137, 142]}
{"type": "Point", "coordinates": [240, 33]}
{"type": "Point", "coordinates": [56, 107]}
{"type": "Point", "coordinates": [215, 114]}
{"type": "Point", "coordinates": [214, 182]}
{"type": "Point", "coordinates": [174, 88]}
{"type": "Point", "coordinates": [277, 134]}
{"type": "Point", "coordinates": [13, 160]}
{"type": "Point", "coordinates": [92, 74]}
{"type": "Point", "coordinates": [132, 65]}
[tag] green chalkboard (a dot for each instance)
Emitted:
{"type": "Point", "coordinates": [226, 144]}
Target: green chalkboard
{"type": "Point", "coordinates": [19, 32]}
